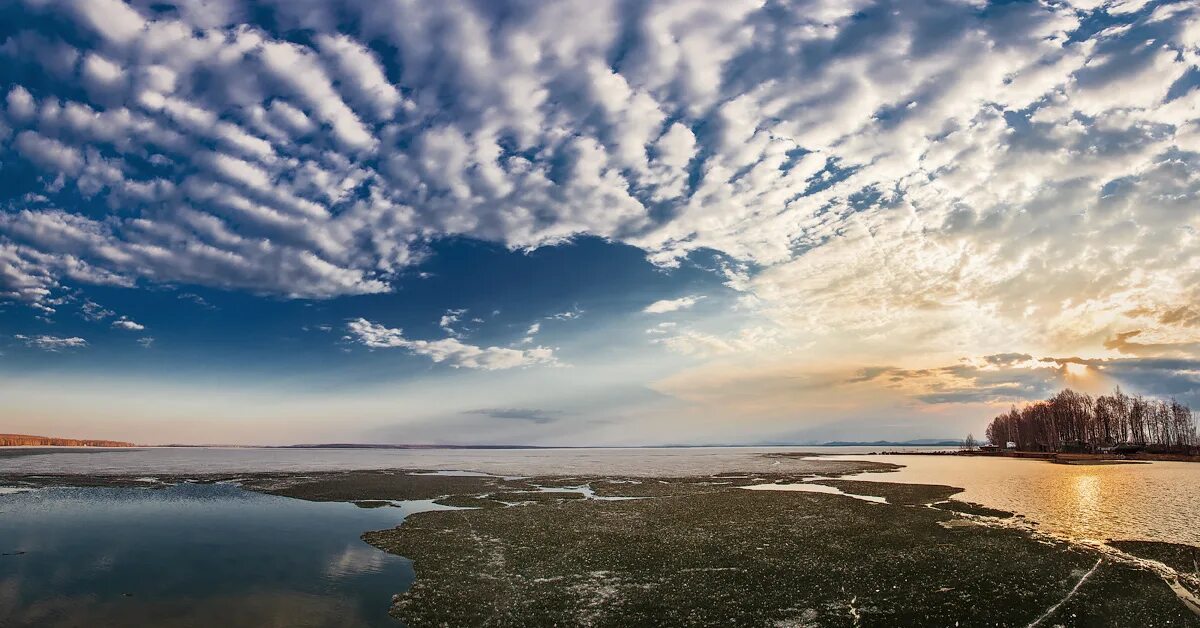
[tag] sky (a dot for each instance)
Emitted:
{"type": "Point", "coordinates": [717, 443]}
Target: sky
{"type": "Point", "coordinates": [590, 222]}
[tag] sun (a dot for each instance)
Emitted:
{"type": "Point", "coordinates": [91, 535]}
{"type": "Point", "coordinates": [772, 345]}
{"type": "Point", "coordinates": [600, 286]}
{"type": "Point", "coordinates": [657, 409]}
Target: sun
{"type": "Point", "coordinates": [1076, 370]}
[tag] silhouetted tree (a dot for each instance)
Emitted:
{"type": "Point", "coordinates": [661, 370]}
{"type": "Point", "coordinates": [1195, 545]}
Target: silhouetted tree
{"type": "Point", "coordinates": [1072, 421]}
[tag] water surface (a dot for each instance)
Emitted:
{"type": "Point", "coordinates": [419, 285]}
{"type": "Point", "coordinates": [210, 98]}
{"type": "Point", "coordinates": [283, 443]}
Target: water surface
{"type": "Point", "coordinates": [192, 555]}
{"type": "Point", "coordinates": [1158, 501]}
{"type": "Point", "coordinates": [661, 461]}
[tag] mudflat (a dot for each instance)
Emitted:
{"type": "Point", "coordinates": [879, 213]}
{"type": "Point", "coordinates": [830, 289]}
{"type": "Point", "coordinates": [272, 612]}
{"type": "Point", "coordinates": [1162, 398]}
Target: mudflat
{"type": "Point", "coordinates": [703, 550]}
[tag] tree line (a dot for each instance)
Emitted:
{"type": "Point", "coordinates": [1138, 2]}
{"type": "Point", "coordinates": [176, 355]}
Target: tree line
{"type": "Point", "coordinates": [1071, 421]}
{"type": "Point", "coordinates": [25, 440]}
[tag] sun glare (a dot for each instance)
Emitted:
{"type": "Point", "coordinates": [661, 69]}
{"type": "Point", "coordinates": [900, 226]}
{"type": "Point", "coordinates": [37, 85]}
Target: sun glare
{"type": "Point", "coordinates": [1076, 370]}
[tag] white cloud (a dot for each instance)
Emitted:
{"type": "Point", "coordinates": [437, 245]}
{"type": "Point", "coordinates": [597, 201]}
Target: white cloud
{"type": "Point", "coordinates": [49, 153]}
{"type": "Point", "coordinates": [101, 75]}
{"type": "Point", "coordinates": [697, 343]}
{"type": "Point", "coordinates": [20, 104]}
{"type": "Point", "coordinates": [672, 305]}
{"type": "Point", "coordinates": [115, 20]}
{"type": "Point", "coordinates": [963, 177]}
{"type": "Point", "coordinates": [52, 343]}
{"type": "Point", "coordinates": [361, 73]}
{"type": "Point", "coordinates": [128, 325]}
{"type": "Point", "coordinates": [93, 311]}
{"type": "Point", "coordinates": [297, 69]}
{"type": "Point", "coordinates": [449, 321]}
{"type": "Point", "coordinates": [531, 332]}
{"type": "Point", "coordinates": [451, 351]}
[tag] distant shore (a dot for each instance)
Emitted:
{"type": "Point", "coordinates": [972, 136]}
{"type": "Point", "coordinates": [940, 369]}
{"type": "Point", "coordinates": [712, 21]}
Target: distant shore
{"type": "Point", "coordinates": [29, 440]}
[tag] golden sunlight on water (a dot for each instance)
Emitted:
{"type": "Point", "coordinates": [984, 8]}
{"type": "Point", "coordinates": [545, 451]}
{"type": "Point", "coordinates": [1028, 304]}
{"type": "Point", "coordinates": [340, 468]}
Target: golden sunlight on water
{"type": "Point", "coordinates": [1087, 500]}
{"type": "Point", "coordinates": [1159, 501]}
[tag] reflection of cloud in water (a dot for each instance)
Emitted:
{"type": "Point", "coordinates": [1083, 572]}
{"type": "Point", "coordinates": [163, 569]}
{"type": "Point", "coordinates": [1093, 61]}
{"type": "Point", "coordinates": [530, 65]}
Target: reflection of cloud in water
{"type": "Point", "coordinates": [10, 594]}
{"type": "Point", "coordinates": [191, 555]}
{"type": "Point", "coordinates": [356, 560]}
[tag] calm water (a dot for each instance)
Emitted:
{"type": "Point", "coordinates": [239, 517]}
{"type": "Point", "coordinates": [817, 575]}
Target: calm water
{"type": "Point", "coordinates": [631, 461]}
{"type": "Point", "coordinates": [192, 555]}
{"type": "Point", "coordinates": [1159, 501]}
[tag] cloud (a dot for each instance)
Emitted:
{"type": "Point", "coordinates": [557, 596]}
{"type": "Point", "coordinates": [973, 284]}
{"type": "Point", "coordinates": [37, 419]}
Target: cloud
{"type": "Point", "coordinates": [449, 320]}
{"type": "Point", "coordinates": [520, 414]}
{"type": "Point", "coordinates": [146, 342]}
{"type": "Point", "coordinates": [693, 342]}
{"type": "Point", "coordinates": [93, 311]}
{"type": "Point", "coordinates": [531, 332]}
{"type": "Point", "coordinates": [451, 351]}
{"type": "Point", "coordinates": [197, 299]}
{"type": "Point", "coordinates": [672, 305]}
{"type": "Point", "coordinates": [128, 325]}
{"type": "Point", "coordinates": [1121, 342]}
{"type": "Point", "coordinates": [568, 315]}
{"type": "Point", "coordinates": [1014, 377]}
{"type": "Point", "coordinates": [925, 173]}
{"type": "Point", "coordinates": [52, 343]}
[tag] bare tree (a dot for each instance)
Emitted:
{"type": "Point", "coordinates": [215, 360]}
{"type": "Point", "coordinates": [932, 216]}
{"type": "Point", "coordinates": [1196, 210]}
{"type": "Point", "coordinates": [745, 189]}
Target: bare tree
{"type": "Point", "coordinates": [1070, 421]}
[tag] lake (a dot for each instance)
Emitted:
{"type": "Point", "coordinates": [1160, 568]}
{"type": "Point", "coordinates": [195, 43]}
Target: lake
{"type": "Point", "coordinates": [630, 461]}
{"type": "Point", "coordinates": [1158, 501]}
{"type": "Point", "coordinates": [192, 555]}
{"type": "Point", "coordinates": [203, 555]}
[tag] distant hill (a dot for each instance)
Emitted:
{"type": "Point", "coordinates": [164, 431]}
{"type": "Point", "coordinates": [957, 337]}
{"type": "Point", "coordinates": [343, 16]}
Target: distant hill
{"type": "Point", "coordinates": [25, 440]}
{"type": "Point", "coordinates": [920, 442]}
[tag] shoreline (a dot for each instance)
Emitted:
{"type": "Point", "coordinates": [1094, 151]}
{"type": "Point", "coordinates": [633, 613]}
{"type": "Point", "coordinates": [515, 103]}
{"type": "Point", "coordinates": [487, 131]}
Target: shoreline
{"type": "Point", "coordinates": [614, 549]}
{"type": "Point", "coordinates": [1056, 457]}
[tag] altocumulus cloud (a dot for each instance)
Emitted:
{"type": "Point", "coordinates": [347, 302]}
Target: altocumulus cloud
{"type": "Point", "coordinates": [128, 325]}
{"type": "Point", "coordinates": [450, 350]}
{"type": "Point", "coordinates": [881, 165]}
{"type": "Point", "coordinates": [52, 343]}
{"type": "Point", "coordinates": [671, 305]}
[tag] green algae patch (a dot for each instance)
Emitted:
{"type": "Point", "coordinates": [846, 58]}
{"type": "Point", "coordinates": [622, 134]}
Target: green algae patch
{"type": "Point", "coordinates": [735, 557]}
